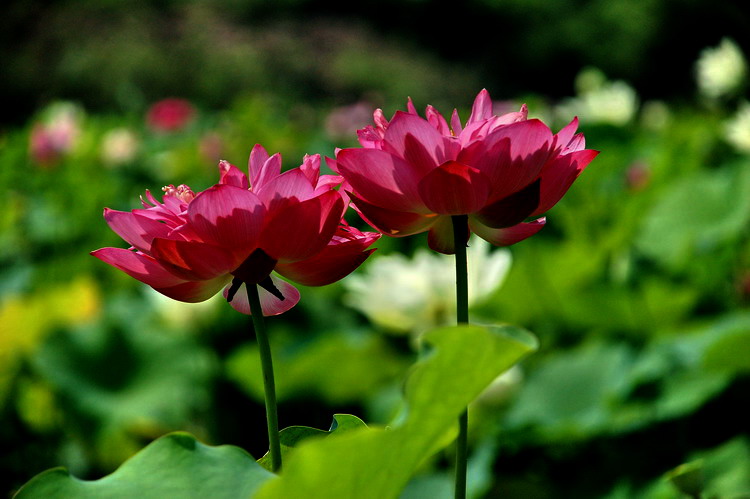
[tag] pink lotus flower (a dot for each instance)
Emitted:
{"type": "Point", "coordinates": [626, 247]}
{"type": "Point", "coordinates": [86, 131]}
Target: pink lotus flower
{"type": "Point", "coordinates": [412, 174]}
{"type": "Point", "coordinates": [189, 246]}
{"type": "Point", "coordinates": [169, 115]}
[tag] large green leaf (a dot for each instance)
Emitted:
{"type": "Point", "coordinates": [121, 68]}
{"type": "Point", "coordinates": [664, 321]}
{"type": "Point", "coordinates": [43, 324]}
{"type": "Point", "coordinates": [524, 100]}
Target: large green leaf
{"type": "Point", "coordinates": [291, 436]}
{"type": "Point", "coordinates": [352, 461]}
{"type": "Point", "coordinates": [175, 465]}
{"type": "Point", "coordinates": [458, 363]}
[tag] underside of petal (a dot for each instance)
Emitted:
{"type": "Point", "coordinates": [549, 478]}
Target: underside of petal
{"type": "Point", "coordinates": [270, 304]}
{"type": "Point", "coordinates": [139, 266]}
{"type": "Point", "coordinates": [441, 238]}
{"type": "Point", "coordinates": [391, 222]}
{"type": "Point", "coordinates": [454, 189]}
{"type": "Point", "coordinates": [135, 229]}
{"type": "Point", "coordinates": [559, 175]}
{"type": "Point", "coordinates": [511, 210]}
{"type": "Point", "coordinates": [195, 291]}
{"type": "Point", "coordinates": [508, 235]}
{"type": "Point", "coordinates": [333, 263]}
{"type": "Point", "coordinates": [194, 260]}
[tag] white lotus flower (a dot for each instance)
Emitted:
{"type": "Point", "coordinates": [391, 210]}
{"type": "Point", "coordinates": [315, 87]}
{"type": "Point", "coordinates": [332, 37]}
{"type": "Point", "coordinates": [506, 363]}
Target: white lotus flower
{"type": "Point", "coordinates": [406, 295]}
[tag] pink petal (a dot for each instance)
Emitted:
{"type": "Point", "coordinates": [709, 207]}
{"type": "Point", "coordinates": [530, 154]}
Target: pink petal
{"type": "Point", "coordinates": [454, 189]}
{"type": "Point", "coordinates": [137, 230]}
{"type": "Point", "coordinates": [391, 222]}
{"type": "Point", "coordinates": [512, 156]}
{"type": "Point", "coordinates": [511, 210]}
{"type": "Point", "coordinates": [227, 216]}
{"type": "Point", "coordinates": [311, 168]}
{"type": "Point", "coordinates": [268, 302]}
{"type": "Point", "coordinates": [291, 186]}
{"type": "Point", "coordinates": [514, 117]}
{"type": "Point", "coordinates": [415, 140]}
{"type": "Point", "coordinates": [566, 134]}
{"type": "Point", "coordinates": [559, 175]}
{"type": "Point", "coordinates": [440, 237]}
{"type": "Point", "coordinates": [195, 291]}
{"type": "Point", "coordinates": [299, 230]}
{"type": "Point", "coordinates": [482, 107]}
{"type": "Point", "coordinates": [382, 178]}
{"type": "Point", "coordinates": [456, 123]}
{"type": "Point", "coordinates": [231, 175]}
{"type": "Point", "coordinates": [436, 119]}
{"type": "Point", "coordinates": [262, 168]}
{"type": "Point", "coordinates": [139, 266]}
{"type": "Point", "coordinates": [258, 157]}
{"type": "Point", "coordinates": [194, 260]}
{"type": "Point", "coordinates": [333, 263]}
{"type": "Point", "coordinates": [509, 235]}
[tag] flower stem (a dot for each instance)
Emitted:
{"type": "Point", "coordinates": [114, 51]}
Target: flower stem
{"type": "Point", "coordinates": [269, 387]}
{"type": "Point", "coordinates": [460, 229]}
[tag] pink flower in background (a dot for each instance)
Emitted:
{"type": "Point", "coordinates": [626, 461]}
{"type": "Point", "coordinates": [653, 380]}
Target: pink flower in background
{"type": "Point", "coordinates": [343, 121]}
{"type": "Point", "coordinates": [412, 174]}
{"type": "Point", "coordinates": [170, 115]}
{"type": "Point", "coordinates": [56, 135]}
{"type": "Point", "coordinates": [189, 246]}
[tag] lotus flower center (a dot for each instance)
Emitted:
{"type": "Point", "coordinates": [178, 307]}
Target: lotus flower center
{"type": "Point", "coordinates": [181, 192]}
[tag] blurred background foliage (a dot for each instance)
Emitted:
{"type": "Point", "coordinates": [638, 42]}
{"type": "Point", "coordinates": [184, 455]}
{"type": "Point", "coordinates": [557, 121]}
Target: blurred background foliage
{"type": "Point", "coordinates": [638, 288]}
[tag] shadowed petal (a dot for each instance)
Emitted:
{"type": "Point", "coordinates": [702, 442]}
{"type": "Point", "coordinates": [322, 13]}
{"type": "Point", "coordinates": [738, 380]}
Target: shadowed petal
{"type": "Point", "coordinates": [454, 189]}
{"type": "Point", "coordinates": [559, 175]}
{"type": "Point", "coordinates": [231, 175]}
{"type": "Point", "coordinates": [228, 216]}
{"type": "Point", "coordinates": [382, 178]}
{"type": "Point", "coordinates": [565, 135]}
{"type": "Point", "coordinates": [289, 186]}
{"type": "Point", "coordinates": [333, 263]}
{"type": "Point", "coordinates": [299, 230]}
{"type": "Point", "coordinates": [195, 291]}
{"type": "Point", "coordinates": [414, 139]}
{"type": "Point", "coordinates": [440, 237]}
{"type": "Point", "coordinates": [193, 260]}
{"type": "Point", "coordinates": [391, 222]}
{"type": "Point", "coordinates": [511, 210]}
{"type": "Point", "coordinates": [508, 235]}
{"type": "Point", "coordinates": [512, 156]}
{"type": "Point", "coordinates": [137, 230]}
{"type": "Point", "coordinates": [270, 304]}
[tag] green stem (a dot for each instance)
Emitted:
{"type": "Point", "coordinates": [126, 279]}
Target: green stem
{"type": "Point", "coordinates": [269, 387]}
{"type": "Point", "coordinates": [460, 229]}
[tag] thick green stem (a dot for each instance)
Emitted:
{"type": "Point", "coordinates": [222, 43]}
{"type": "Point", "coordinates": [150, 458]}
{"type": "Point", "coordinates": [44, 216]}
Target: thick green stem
{"type": "Point", "coordinates": [269, 386]}
{"type": "Point", "coordinates": [460, 229]}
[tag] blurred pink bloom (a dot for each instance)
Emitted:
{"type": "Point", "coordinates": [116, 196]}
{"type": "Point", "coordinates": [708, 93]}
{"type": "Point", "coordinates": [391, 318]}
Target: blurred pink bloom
{"type": "Point", "coordinates": [53, 138]}
{"type": "Point", "coordinates": [169, 115]}
{"type": "Point", "coordinates": [638, 176]}
{"type": "Point", "coordinates": [189, 246]}
{"type": "Point", "coordinates": [344, 121]}
{"type": "Point", "coordinates": [211, 146]}
{"type": "Point", "coordinates": [412, 174]}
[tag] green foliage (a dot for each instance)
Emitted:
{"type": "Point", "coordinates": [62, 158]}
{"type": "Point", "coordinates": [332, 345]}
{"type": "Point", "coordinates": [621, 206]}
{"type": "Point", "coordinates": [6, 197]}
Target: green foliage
{"type": "Point", "coordinates": [352, 461]}
{"type": "Point", "coordinates": [175, 465]}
